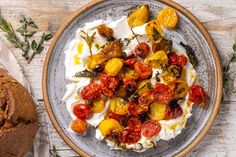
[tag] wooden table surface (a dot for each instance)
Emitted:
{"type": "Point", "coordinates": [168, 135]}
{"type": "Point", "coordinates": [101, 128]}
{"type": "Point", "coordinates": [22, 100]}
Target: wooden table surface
{"type": "Point", "coordinates": [218, 16]}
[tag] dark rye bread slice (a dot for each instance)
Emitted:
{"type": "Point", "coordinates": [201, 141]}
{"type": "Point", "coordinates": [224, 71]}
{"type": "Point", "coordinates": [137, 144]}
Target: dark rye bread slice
{"type": "Point", "coordinates": [18, 118]}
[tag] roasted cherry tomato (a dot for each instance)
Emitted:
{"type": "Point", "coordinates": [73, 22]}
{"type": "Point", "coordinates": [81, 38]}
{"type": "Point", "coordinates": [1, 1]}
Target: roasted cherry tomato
{"type": "Point", "coordinates": [79, 126]}
{"type": "Point", "coordinates": [119, 106]}
{"type": "Point", "coordinates": [142, 50]}
{"type": "Point", "coordinates": [168, 17]}
{"type": "Point", "coordinates": [173, 110]}
{"type": "Point", "coordinates": [82, 111]}
{"type": "Point", "coordinates": [197, 94]}
{"type": "Point", "coordinates": [163, 93]}
{"type": "Point", "coordinates": [91, 92]}
{"type": "Point", "coordinates": [98, 106]}
{"type": "Point", "coordinates": [175, 59]}
{"type": "Point", "coordinates": [157, 111]}
{"type": "Point", "coordinates": [108, 126]}
{"type": "Point", "coordinates": [130, 62]}
{"type": "Point", "coordinates": [134, 123]}
{"type": "Point", "coordinates": [136, 108]}
{"type": "Point", "coordinates": [130, 136]}
{"type": "Point", "coordinates": [150, 128]}
{"type": "Point", "coordinates": [107, 91]}
{"type": "Point", "coordinates": [105, 31]}
{"type": "Point", "coordinates": [122, 119]}
{"type": "Point", "coordinates": [146, 99]}
{"type": "Point", "coordinates": [109, 81]}
{"type": "Point", "coordinates": [143, 70]}
{"type": "Point", "coordinates": [130, 86]}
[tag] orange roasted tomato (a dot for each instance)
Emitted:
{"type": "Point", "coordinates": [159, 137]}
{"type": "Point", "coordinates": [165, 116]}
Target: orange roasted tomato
{"type": "Point", "coordinates": [143, 70]}
{"type": "Point", "coordinates": [150, 128]}
{"type": "Point", "coordinates": [197, 95]}
{"type": "Point", "coordinates": [175, 59]}
{"type": "Point", "coordinates": [91, 91]}
{"type": "Point", "coordinates": [79, 126]}
{"type": "Point", "coordinates": [82, 111]}
{"type": "Point", "coordinates": [142, 49]}
{"type": "Point", "coordinates": [163, 93]}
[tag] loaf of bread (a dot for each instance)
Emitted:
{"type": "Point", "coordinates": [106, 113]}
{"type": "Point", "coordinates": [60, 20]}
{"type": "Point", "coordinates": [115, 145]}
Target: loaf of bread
{"type": "Point", "coordinates": [18, 118]}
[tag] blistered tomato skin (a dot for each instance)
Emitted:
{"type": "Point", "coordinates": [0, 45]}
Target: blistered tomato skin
{"type": "Point", "coordinates": [130, 62]}
{"type": "Point", "coordinates": [79, 126]}
{"type": "Point", "coordinates": [130, 136]}
{"type": "Point", "coordinates": [174, 110]}
{"type": "Point", "coordinates": [150, 128]}
{"type": "Point", "coordinates": [179, 60]}
{"type": "Point", "coordinates": [143, 70]}
{"type": "Point", "coordinates": [142, 50]}
{"type": "Point", "coordinates": [163, 93]}
{"type": "Point", "coordinates": [82, 111]}
{"type": "Point", "coordinates": [134, 123]}
{"type": "Point", "coordinates": [109, 81]}
{"type": "Point", "coordinates": [91, 92]}
{"type": "Point", "coordinates": [197, 94]}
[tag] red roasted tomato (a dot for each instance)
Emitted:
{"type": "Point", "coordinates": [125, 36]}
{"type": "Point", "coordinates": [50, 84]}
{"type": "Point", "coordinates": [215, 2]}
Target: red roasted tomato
{"type": "Point", "coordinates": [122, 119]}
{"type": "Point", "coordinates": [146, 99]}
{"type": "Point", "coordinates": [150, 128]}
{"type": "Point", "coordinates": [130, 136]}
{"type": "Point", "coordinates": [130, 61]}
{"type": "Point", "coordinates": [142, 50]}
{"type": "Point", "coordinates": [107, 91]}
{"type": "Point", "coordinates": [175, 59]}
{"type": "Point", "coordinates": [143, 70]}
{"type": "Point", "coordinates": [82, 111]}
{"type": "Point", "coordinates": [163, 93]}
{"type": "Point", "coordinates": [91, 91]}
{"type": "Point", "coordinates": [109, 81]}
{"type": "Point", "coordinates": [134, 123]}
{"type": "Point", "coordinates": [173, 111]}
{"type": "Point", "coordinates": [197, 94]}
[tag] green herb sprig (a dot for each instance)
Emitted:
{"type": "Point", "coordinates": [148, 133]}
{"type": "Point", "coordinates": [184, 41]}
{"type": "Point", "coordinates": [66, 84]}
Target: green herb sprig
{"type": "Point", "coordinates": [89, 39]}
{"type": "Point", "coordinates": [25, 33]}
{"type": "Point", "coordinates": [227, 75]}
{"type": "Point", "coordinates": [54, 151]}
{"type": "Point", "coordinates": [38, 47]}
{"type": "Point", "coordinates": [12, 37]}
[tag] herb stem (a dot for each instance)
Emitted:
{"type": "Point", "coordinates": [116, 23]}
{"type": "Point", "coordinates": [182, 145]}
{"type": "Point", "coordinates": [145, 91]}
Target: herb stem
{"type": "Point", "coordinates": [31, 57]}
{"type": "Point", "coordinates": [134, 35]}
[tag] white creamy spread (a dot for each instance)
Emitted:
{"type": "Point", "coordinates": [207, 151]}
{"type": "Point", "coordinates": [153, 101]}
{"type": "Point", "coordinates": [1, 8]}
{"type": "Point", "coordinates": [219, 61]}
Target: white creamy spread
{"type": "Point", "coordinates": [79, 48]}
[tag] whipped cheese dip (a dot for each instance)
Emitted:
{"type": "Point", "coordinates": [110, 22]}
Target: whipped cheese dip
{"type": "Point", "coordinates": [75, 61]}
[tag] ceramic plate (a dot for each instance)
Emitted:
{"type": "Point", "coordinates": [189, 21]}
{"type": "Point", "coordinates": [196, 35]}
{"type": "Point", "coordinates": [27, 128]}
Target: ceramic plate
{"type": "Point", "coordinates": [209, 72]}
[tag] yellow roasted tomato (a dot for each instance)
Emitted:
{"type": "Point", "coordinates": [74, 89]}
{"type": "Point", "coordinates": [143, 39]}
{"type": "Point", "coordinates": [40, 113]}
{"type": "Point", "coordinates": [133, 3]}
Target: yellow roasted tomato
{"type": "Point", "coordinates": [119, 106]}
{"type": "Point", "coordinates": [168, 17]}
{"type": "Point", "coordinates": [109, 125]}
{"type": "Point", "coordinates": [98, 106]}
{"type": "Point", "coordinates": [113, 66]}
{"type": "Point", "coordinates": [157, 111]}
{"type": "Point", "coordinates": [154, 31]}
{"type": "Point", "coordinates": [180, 89]}
{"type": "Point", "coordinates": [143, 87]}
{"type": "Point", "coordinates": [131, 73]}
{"type": "Point", "coordinates": [96, 60]}
{"type": "Point", "coordinates": [157, 59]}
{"type": "Point", "coordinates": [168, 76]}
{"type": "Point", "coordinates": [139, 16]}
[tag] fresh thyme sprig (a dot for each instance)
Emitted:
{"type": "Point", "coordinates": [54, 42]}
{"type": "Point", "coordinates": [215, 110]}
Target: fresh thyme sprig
{"type": "Point", "coordinates": [227, 76]}
{"type": "Point", "coordinates": [23, 30]}
{"type": "Point", "coordinates": [89, 39]}
{"type": "Point", "coordinates": [11, 35]}
{"type": "Point", "coordinates": [38, 47]}
{"type": "Point", "coordinates": [54, 151]}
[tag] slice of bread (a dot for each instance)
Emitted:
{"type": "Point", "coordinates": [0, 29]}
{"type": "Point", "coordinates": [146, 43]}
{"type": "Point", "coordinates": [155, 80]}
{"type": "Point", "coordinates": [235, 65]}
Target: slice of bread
{"type": "Point", "coordinates": [18, 118]}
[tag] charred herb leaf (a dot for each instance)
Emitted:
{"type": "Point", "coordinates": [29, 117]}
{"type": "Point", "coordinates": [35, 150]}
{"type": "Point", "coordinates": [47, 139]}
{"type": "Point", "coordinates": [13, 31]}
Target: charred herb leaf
{"type": "Point", "coordinates": [54, 152]}
{"type": "Point", "coordinates": [191, 54]}
{"type": "Point", "coordinates": [89, 39]}
{"type": "Point", "coordinates": [86, 73]}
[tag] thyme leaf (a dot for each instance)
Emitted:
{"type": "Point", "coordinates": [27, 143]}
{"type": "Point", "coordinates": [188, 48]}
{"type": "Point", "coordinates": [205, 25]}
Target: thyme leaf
{"type": "Point", "coordinates": [54, 152]}
{"type": "Point", "coordinates": [191, 54]}
{"type": "Point", "coordinates": [89, 39]}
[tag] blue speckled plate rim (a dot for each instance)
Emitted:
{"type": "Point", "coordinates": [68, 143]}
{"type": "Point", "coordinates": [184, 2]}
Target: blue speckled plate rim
{"type": "Point", "coordinates": [172, 4]}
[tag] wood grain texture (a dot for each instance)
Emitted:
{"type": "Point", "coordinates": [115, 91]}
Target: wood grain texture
{"type": "Point", "coordinates": [218, 16]}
